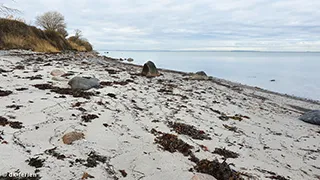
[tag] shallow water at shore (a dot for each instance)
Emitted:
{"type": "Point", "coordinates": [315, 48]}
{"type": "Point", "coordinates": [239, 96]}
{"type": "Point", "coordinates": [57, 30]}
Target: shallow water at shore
{"type": "Point", "coordinates": [293, 73]}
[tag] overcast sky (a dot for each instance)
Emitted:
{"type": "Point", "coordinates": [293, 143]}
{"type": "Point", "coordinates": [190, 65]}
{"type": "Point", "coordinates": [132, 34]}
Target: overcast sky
{"type": "Point", "coordinates": [276, 25]}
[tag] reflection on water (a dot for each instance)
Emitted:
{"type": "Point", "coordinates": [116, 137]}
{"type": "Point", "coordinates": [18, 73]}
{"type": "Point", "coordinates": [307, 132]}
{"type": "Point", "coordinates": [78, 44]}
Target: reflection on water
{"type": "Point", "coordinates": [294, 73]}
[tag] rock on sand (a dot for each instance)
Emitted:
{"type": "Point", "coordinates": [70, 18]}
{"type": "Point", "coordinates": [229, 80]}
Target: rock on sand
{"type": "Point", "coordinates": [312, 117]}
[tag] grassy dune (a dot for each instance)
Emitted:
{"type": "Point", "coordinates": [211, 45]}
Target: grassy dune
{"type": "Point", "coordinates": [18, 35]}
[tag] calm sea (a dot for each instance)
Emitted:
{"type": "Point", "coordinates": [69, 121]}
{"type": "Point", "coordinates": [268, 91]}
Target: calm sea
{"type": "Point", "coordinates": [294, 73]}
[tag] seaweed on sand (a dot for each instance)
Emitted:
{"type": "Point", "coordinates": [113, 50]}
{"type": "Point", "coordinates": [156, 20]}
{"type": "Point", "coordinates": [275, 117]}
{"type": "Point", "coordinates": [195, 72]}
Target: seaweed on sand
{"type": "Point", "coordinates": [66, 91]}
{"type": "Point", "coordinates": [189, 130]}
{"type": "Point", "coordinates": [172, 143]}
{"type": "Point", "coordinates": [221, 171]}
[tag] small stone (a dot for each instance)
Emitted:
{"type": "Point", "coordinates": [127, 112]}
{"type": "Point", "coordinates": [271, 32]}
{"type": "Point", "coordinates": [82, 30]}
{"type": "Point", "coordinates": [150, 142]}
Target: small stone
{"type": "Point", "coordinates": [70, 137]}
{"type": "Point", "coordinates": [57, 72]}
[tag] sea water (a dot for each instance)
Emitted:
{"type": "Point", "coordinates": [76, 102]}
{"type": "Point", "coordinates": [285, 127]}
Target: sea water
{"type": "Point", "coordinates": [293, 73]}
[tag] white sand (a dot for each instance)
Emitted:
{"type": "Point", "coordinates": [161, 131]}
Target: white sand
{"type": "Point", "coordinates": [273, 139]}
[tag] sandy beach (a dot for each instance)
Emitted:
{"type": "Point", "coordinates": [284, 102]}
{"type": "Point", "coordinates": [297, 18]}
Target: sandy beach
{"type": "Point", "coordinates": [139, 128]}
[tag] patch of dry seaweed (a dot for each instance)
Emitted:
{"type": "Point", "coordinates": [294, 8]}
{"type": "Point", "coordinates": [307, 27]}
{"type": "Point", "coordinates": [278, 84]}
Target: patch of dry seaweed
{"type": "Point", "coordinates": [14, 124]}
{"type": "Point", "coordinates": [221, 171]}
{"type": "Point", "coordinates": [225, 153]}
{"type": "Point", "coordinates": [5, 93]}
{"type": "Point", "coordinates": [189, 130]}
{"type": "Point", "coordinates": [172, 143]}
{"type": "Point", "coordinates": [66, 91]}
{"type": "Point", "coordinates": [89, 117]}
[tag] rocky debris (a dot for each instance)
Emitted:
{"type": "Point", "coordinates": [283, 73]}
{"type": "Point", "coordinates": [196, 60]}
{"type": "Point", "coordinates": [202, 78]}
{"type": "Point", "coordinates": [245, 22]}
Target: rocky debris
{"type": "Point", "coordinates": [89, 117]}
{"type": "Point", "coordinates": [5, 93]}
{"type": "Point", "coordinates": [200, 176]}
{"type": "Point", "coordinates": [130, 60]}
{"type": "Point", "coordinates": [13, 124]}
{"type": "Point", "coordinates": [172, 143]}
{"type": "Point", "coordinates": [123, 173]}
{"type": "Point", "coordinates": [189, 130]}
{"type": "Point", "coordinates": [86, 176]}
{"type": "Point", "coordinates": [70, 137]}
{"type": "Point", "coordinates": [150, 70]}
{"type": "Point", "coordinates": [53, 153]}
{"type": "Point", "coordinates": [221, 171]}
{"type": "Point", "coordinates": [35, 162]}
{"type": "Point", "coordinates": [57, 72]}
{"type": "Point", "coordinates": [66, 91]}
{"type": "Point", "coordinates": [312, 117]}
{"type": "Point", "coordinates": [272, 80]}
{"type": "Point", "coordinates": [225, 153]}
{"type": "Point", "coordinates": [84, 83]}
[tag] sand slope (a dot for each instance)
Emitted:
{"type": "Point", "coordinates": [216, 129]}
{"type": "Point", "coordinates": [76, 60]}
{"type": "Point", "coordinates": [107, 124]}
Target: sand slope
{"type": "Point", "coordinates": [270, 140]}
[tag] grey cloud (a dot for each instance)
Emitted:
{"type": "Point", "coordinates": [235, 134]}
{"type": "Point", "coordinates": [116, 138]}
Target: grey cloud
{"type": "Point", "coordinates": [188, 24]}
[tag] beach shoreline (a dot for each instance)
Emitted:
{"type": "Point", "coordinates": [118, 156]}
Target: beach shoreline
{"type": "Point", "coordinates": [125, 121]}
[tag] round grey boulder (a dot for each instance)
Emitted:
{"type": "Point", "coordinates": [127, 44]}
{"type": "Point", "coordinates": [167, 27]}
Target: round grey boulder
{"type": "Point", "coordinates": [201, 73]}
{"type": "Point", "coordinates": [312, 117]}
{"type": "Point", "coordinates": [84, 83]}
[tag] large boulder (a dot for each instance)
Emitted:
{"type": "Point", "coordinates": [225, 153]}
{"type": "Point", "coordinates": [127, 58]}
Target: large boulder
{"type": "Point", "coordinates": [150, 70]}
{"type": "Point", "coordinates": [312, 117]}
{"type": "Point", "coordinates": [200, 75]}
{"type": "Point", "coordinates": [84, 83]}
{"type": "Point", "coordinates": [129, 59]}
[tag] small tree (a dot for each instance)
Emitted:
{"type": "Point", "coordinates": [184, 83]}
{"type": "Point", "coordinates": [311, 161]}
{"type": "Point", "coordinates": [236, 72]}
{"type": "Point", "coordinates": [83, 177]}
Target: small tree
{"type": "Point", "coordinates": [51, 20]}
{"type": "Point", "coordinates": [78, 33]}
{"type": "Point", "coordinates": [63, 32]}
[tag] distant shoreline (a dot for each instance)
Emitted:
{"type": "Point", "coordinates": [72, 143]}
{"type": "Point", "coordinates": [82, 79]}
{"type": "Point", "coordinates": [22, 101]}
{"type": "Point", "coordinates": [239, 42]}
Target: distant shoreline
{"type": "Point", "coordinates": [209, 51]}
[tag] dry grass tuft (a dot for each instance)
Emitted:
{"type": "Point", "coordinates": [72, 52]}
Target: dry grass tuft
{"type": "Point", "coordinates": [30, 42]}
{"type": "Point", "coordinates": [77, 47]}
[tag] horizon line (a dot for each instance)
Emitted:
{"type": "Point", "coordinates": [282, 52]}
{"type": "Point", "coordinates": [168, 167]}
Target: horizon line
{"type": "Point", "coordinates": [163, 50]}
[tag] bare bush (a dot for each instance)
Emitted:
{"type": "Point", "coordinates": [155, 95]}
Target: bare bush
{"type": "Point", "coordinates": [51, 20]}
{"type": "Point", "coordinates": [6, 11]}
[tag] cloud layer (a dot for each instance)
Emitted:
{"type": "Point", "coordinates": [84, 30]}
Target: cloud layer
{"type": "Point", "coordinates": [282, 25]}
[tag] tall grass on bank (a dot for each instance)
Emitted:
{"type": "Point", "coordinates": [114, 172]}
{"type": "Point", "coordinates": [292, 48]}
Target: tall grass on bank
{"type": "Point", "coordinates": [79, 43]}
{"type": "Point", "coordinates": [33, 43]}
{"type": "Point", "coordinates": [18, 35]}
